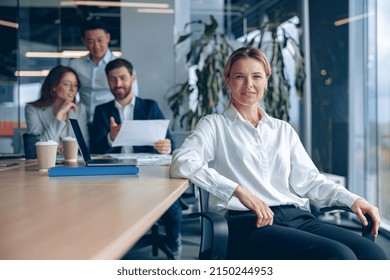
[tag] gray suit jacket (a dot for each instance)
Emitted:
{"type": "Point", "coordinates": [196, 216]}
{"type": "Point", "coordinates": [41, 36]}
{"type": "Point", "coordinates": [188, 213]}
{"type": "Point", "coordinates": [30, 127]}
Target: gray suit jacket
{"type": "Point", "coordinates": [41, 120]}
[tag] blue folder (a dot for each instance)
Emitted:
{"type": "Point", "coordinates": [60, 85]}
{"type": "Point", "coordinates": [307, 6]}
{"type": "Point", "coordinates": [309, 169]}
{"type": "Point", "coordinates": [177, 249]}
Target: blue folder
{"type": "Point", "coordinates": [59, 171]}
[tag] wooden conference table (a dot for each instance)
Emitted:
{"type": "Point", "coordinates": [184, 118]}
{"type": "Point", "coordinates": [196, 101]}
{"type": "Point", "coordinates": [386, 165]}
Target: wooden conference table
{"type": "Point", "coordinates": [82, 217]}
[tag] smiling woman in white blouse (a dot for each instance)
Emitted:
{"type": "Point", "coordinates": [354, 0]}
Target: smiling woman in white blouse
{"type": "Point", "coordinates": [256, 168]}
{"type": "Point", "coordinates": [49, 115]}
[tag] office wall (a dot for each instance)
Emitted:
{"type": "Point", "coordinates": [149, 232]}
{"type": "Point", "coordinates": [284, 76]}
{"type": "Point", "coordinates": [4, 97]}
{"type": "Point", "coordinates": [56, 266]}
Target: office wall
{"type": "Point", "coordinates": [147, 41]}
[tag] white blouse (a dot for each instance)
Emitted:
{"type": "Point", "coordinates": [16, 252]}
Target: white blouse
{"type": "Point", "coordinates": [270, 161]}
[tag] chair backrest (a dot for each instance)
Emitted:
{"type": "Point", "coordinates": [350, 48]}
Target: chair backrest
{"type": "Point", "coordinates": [206, 226]}
{"type": "Point", "coordinates": [18, 140]}
{"type": "Point", "coordinates": [214, 230]}
{"type": "Point", "coordinates": [179, 136]}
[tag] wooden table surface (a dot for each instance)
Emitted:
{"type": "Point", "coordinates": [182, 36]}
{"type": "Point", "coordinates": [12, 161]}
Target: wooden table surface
{"type": "Point", "coordinates": [81, 217]}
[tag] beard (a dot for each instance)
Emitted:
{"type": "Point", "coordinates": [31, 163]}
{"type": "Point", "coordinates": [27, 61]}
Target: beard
{"type": "Point", "coordinates": [121, 93]}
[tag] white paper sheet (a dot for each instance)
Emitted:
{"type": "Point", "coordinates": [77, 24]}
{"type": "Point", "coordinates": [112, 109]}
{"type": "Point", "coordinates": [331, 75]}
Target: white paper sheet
{"type": "Point", "coordinates": [141, 132]}
{"type": "Point", "coordinates": [145, 158]}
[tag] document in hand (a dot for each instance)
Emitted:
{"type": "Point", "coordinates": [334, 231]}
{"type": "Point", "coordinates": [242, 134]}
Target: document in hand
{"type": "Point", "coordinates": [141, 132]}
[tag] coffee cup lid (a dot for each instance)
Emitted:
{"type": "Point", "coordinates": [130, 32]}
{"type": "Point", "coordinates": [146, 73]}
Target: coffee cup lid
{"type": "Point", "coordinates": [69, 138]}
{"type": "Point", "coordinates": [49, 143]}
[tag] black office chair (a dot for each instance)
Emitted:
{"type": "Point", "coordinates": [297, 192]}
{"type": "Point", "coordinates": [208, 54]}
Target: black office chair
{"type": "Point", "coordinates": [157, 240]}
{"type": "Point", "coordinates": [215, 231]}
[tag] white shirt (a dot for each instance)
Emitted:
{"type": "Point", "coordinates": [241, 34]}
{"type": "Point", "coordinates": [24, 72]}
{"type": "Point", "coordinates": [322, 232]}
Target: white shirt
{"type": "Point", "coordinates": [125, 113]}
{"type": "Point", "coordinates": [94, 85]}
{"type": "Point", "coordinates": [270, 161]}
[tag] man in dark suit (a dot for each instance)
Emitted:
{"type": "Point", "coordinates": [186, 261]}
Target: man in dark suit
{"type": "Point", "coordinates": [107, 123]}
{"type": "Point", "coordinates": [125, 106]}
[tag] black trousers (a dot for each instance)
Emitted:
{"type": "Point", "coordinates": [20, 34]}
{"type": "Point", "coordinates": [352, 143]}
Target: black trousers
{"type": "Point", "coordinates": [296, 234]}
{"type": "Point", "coordinates": [172, 220]}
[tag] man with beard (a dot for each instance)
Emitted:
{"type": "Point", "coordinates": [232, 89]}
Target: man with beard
{"type": "Point", "coordinates": [126, 106]}
{"type": "Point", "coordinates": [107, 123]}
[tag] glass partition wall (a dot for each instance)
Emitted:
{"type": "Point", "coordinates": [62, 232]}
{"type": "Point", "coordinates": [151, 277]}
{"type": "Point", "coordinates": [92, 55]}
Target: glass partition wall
{"type": "Point", "coordinates": [39, 35]}
{"type": "Point", "coordinates": [349, 55]}
{"type": "Point", "coordinates": [369, 97]}
{"type": "Point", "coordinates": [382, 103]}
{"type": "Point", "coordinates": [9, 117]}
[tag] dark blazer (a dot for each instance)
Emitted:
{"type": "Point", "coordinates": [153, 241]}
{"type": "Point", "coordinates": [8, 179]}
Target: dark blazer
{"type": "Point", "coordinates": [144, 109]}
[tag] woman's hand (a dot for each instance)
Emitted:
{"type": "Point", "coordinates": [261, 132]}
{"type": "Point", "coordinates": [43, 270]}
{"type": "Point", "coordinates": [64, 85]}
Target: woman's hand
{"type": "Point", "coordinates": [264, 214]}
{"type": "Point", "coordinates": [361, 207]}
{"type": "Point", "coordinates": [163, 146]}
{"type": "Point", "coordinates": [60, 148]}
{"type": "Point", "coordinates": [66, 106]}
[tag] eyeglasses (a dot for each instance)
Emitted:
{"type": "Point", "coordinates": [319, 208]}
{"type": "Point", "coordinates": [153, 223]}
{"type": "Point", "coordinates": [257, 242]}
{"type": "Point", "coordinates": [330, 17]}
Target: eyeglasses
{"type": "Point", "coordinates": [69, 85]}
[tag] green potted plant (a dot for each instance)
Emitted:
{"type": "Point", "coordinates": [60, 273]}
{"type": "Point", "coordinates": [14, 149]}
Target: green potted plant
{"type": "Point", "coordinates": [276, 41]}
{"type": "Point", "coordinates": [209, 53]}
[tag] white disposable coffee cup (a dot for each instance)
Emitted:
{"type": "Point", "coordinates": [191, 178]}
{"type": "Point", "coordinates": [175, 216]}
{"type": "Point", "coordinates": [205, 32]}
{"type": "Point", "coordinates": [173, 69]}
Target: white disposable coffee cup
{"type": "Point", "coordinates": [46, 154]}
{"type": "Point", "coordinates": [71, 149]}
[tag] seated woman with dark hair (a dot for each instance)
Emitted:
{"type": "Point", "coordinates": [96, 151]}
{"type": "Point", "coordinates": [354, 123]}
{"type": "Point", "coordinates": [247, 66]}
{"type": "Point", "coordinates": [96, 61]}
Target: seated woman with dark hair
{"type": "Point", "coordinates": [49, 115]}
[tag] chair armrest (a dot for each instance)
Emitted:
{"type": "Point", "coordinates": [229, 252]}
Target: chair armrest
{"type": "Point", "coordinates": [366, 230]}
{"type": "Point", "coordinates": [218, 236]}
{"type": "Point", "coordinates": [184, 205]}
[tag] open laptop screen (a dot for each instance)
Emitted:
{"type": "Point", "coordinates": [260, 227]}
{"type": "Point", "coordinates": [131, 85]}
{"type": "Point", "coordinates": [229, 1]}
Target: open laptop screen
{"type": "Point", "coordinates": [80, 140]}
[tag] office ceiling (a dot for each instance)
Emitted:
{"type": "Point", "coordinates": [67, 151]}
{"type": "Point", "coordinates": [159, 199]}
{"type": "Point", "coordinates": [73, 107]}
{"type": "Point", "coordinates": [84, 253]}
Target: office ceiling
{"type": "Point", "coordinates": [44, 22]}
{"type": "Point", "coordinates": [56, 26]}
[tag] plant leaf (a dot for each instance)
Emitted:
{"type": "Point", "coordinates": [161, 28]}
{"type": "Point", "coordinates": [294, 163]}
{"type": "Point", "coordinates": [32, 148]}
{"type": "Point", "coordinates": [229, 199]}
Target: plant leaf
{"type": "Point", "coordinates": [182, 38]}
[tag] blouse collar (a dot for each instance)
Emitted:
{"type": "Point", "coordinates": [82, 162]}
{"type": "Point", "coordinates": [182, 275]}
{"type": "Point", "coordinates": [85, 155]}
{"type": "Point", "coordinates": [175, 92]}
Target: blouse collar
{"type": "Point", "coordinates": [231, 114]}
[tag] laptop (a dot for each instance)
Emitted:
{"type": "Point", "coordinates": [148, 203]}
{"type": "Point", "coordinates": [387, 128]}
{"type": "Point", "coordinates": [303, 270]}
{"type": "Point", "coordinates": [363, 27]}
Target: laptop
{"type": "Point", "coordinates": [87, 156]}
{"type": "Point", "coordinates": [10, 156]}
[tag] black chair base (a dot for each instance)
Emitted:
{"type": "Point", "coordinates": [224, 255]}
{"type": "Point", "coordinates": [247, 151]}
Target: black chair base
{"type": "Point", "coordinates": [157, 241]}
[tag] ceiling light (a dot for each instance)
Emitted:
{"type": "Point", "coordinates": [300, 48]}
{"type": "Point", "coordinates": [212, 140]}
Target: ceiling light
{"type": "Point", "coordinates": [63, 54]}
{"type": "Point", "coordinates": [115, 4]}
{"type": "Point", "coordinates": [351, 19]}
{"type": "Point", "coordinates": [9, 24]}
{"type": "Point", "coordinates": [155, 11]}
{"type": "Point", "coordinates": [41, 73]}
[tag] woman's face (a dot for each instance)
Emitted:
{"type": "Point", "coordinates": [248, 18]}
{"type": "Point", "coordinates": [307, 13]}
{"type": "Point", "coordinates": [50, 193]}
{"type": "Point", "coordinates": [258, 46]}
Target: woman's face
{"type": "Point", "coordinates": [247, 82]}
{"type": "Point", "coordinates": [67, 87]}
